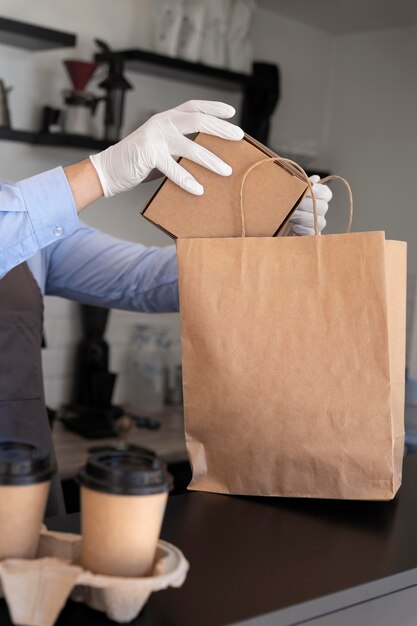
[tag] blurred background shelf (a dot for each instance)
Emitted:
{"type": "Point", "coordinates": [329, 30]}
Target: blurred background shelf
{"type": "Point", "coordinates": [10, 134]}
{"type": "Point", "coordinates": [70, 141]}
{"type": "Point", "coordinates": [75, 141]}
{"type": "Point", "coordinates": [57, 139]}
{"type": "Point", "coordinates": [32, 37]}
{"type": "Point", "coordinates": [177, 69]}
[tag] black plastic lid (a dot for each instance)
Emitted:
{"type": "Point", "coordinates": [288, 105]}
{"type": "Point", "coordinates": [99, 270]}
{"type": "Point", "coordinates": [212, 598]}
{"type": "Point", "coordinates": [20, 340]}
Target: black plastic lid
{"type": "Point", "coordinates": [125, 473]}
{"type": "Point", "coordinates": [23, 463]}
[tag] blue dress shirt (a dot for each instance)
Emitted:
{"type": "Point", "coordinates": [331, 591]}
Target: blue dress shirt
{"type": "Point", "coordinates": [39, 224]}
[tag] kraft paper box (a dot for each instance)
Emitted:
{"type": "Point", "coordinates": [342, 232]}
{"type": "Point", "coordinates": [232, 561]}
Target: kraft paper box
{"type": "Point", "coordinates": [271, 194]}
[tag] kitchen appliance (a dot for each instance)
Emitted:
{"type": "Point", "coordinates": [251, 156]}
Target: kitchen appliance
{"type": "Point", "coordinates": [115, 85]}
{"type": "Point", "coordinates": [52, 120]}
{"type": "Point", "coordinates": [80, 104]}
{"type": "Point", "coordinates": [261, 96]}
{"type": "Point", "coordinates": [4, 108]}
{"type": "Point", "coordinates": [91, 412]}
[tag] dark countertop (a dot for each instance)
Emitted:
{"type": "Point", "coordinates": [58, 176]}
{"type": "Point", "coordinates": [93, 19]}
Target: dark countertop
{"type": "Point", "coordinates": [293, 558]}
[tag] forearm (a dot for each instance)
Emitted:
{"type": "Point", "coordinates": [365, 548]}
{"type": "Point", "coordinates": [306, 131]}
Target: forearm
{"type": "Point", "coordinates": [113, 273]}
{"type": "Point", "coordinates": [84, 183]}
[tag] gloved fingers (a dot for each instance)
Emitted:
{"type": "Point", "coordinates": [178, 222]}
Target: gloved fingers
{"type": "Point", "coordinates": [306, 205]}
{"type": "Point", "coordinates": [203, 123]}
{"type": "Point", "coordinates": [154, 174]}
{"type": "Point", "coordinates": [194, 152]}
{"type": "Point", "coordinates": [175, 172]}
{"type": "Point", "coordinates": [302, 230]}
{"type": "Point", "coordinates": [211, 107]}
{"type": "Point", "coordinates": [322, 192]}
{"type": "Point", "coordinates": [307, 220]}
{"type": "Point", "coordinates": [314, 179]}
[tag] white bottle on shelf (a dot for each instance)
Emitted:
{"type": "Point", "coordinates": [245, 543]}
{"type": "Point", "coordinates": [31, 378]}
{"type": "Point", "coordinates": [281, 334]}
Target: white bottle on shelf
{"type": "Point", "coordinates": [191, 34]}
{"type": "Point", "coordinates": [213, 45]}
{"type": "Point", "coordinates": [167, 22]}
{"type": "Point", "coordinates": [147, 373]}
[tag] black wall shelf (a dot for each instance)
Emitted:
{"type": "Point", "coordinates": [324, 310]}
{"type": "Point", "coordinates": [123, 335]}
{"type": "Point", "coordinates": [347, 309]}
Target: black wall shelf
{"type": "Point", "coordinates": [32, 37]}
{"type": "Point", "coordinates": [70, 141]}
{"type": "Point", "coordinates": [62, 140]}
{"type": "Point", "coordinates": [16, 135]}
{"type": "Point", "coordinates": [177, 69]}
{"type": "Point", "coordinates": [55, 140]}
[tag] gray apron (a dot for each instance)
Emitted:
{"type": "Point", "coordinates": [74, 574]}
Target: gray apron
{"type": "Point", "coordinates": [22, 404]}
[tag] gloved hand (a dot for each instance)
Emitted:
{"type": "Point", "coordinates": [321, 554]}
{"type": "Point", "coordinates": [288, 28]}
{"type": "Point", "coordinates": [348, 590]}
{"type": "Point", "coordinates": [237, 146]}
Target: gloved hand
{"type": "Point", "coordinates": [302, 220]}
{"type": "Point", "coordinates": [157, 143]}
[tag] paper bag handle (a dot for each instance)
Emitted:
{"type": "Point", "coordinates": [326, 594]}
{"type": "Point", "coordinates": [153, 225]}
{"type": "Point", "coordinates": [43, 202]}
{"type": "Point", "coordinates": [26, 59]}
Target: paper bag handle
{"type": "Point", "coordinates": [278, 160]}
{"type": "Point", "coordinates": [349, 190]}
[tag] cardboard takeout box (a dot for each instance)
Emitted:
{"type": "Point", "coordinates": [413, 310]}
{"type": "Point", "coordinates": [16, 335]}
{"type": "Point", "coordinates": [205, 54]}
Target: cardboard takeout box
{"type": "Point", "coordinates": [271, 193]}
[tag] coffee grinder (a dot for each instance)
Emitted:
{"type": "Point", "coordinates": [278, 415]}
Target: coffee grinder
{"type": "Point", "coordinates": [4, 106]}
{"type": "Point", "coordinates": [91, 412]}
{"type": "Point", "coordinates": [115, 85]}
{"type": "Point", "coordinates": [80, 105]}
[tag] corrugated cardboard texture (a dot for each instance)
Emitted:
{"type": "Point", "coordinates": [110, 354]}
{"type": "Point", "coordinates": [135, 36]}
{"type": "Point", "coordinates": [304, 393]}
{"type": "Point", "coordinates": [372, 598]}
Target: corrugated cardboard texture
{"type": "Point", "coordinates": [271, 194]}
{"type": "Point", "coordinates": [293, 364]}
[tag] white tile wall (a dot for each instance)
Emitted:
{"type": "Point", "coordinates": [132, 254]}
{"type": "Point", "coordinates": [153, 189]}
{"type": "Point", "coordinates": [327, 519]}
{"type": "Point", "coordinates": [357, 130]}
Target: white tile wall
{"type": "Point", "coordinates": [63, 331]}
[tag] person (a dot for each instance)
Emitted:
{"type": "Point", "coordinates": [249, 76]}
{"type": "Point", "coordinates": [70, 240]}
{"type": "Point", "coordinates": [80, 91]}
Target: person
{"type": "Point", "coordinates": [45, 250]}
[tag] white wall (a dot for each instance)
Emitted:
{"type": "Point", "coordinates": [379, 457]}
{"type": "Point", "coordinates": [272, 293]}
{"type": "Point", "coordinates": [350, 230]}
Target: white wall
{"type": "Point", "coordinates": [371, 130]}
{"type": "Point", "coordinates": [39, 78]}
{"type": "Point", "coordinates": [371, 136]}
{"type": "Point", "coordinates": [302, 53]}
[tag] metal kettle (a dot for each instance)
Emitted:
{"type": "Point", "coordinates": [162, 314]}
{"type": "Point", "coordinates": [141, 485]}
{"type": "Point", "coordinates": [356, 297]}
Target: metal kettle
{"type": "Point", "coordinates": [4, 108]}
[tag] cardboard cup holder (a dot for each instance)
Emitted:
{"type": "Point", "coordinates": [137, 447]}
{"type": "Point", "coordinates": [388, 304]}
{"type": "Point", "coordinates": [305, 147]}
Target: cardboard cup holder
{"type": "Point", "coordinates": [36, 590]}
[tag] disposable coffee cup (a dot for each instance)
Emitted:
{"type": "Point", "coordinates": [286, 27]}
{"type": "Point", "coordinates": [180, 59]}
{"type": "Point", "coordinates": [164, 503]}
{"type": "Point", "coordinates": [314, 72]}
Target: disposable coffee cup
{"type": "Point", "coordinates": [123, 500]}
{"type": "Point", "coordinates": [25, 476]}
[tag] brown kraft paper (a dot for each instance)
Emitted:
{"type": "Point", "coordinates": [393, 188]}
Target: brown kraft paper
{"type": "Point", "coordinates": [271, 194]}
{"type": "Point", "coordinates": [22, 508]}
{"type": "Point", "coordinates": [120, 532]}
{"type": "Point", "coordinates": [293, 364]}
{"type": "Point", "coordinates": [36, 590]}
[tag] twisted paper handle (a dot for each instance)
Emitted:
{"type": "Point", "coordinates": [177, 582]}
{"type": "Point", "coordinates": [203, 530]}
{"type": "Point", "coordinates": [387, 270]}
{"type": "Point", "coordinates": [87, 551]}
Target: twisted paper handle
{"type": "Point", "coordinates": [349, 190]}
{"type": "Point", "coordinates": [278, 159]}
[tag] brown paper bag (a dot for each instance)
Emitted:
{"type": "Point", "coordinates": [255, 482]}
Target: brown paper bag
{"type": "Point", "coordinates": [293, 364]}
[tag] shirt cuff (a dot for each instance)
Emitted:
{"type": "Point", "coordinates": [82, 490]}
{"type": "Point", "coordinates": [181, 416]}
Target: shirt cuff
{"type": "Point", "coordinates": [50, 205]}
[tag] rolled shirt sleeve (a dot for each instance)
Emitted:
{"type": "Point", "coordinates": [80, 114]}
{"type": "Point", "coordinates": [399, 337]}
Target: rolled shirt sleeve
{"type": "Point", "coordinates": [34, 213]}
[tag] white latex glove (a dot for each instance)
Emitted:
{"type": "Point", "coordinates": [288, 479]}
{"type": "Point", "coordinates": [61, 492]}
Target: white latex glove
{"type": "Point", "coordinates": [302, 220]}
{"type": "Point", "coordinates": [157, 143]}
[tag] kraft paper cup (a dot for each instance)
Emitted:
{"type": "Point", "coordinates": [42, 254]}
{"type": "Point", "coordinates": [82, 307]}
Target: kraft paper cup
{"type": "Point", "coordinates": [123, 500]}
{"type": "Point", "coordinates": [25, 476]}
